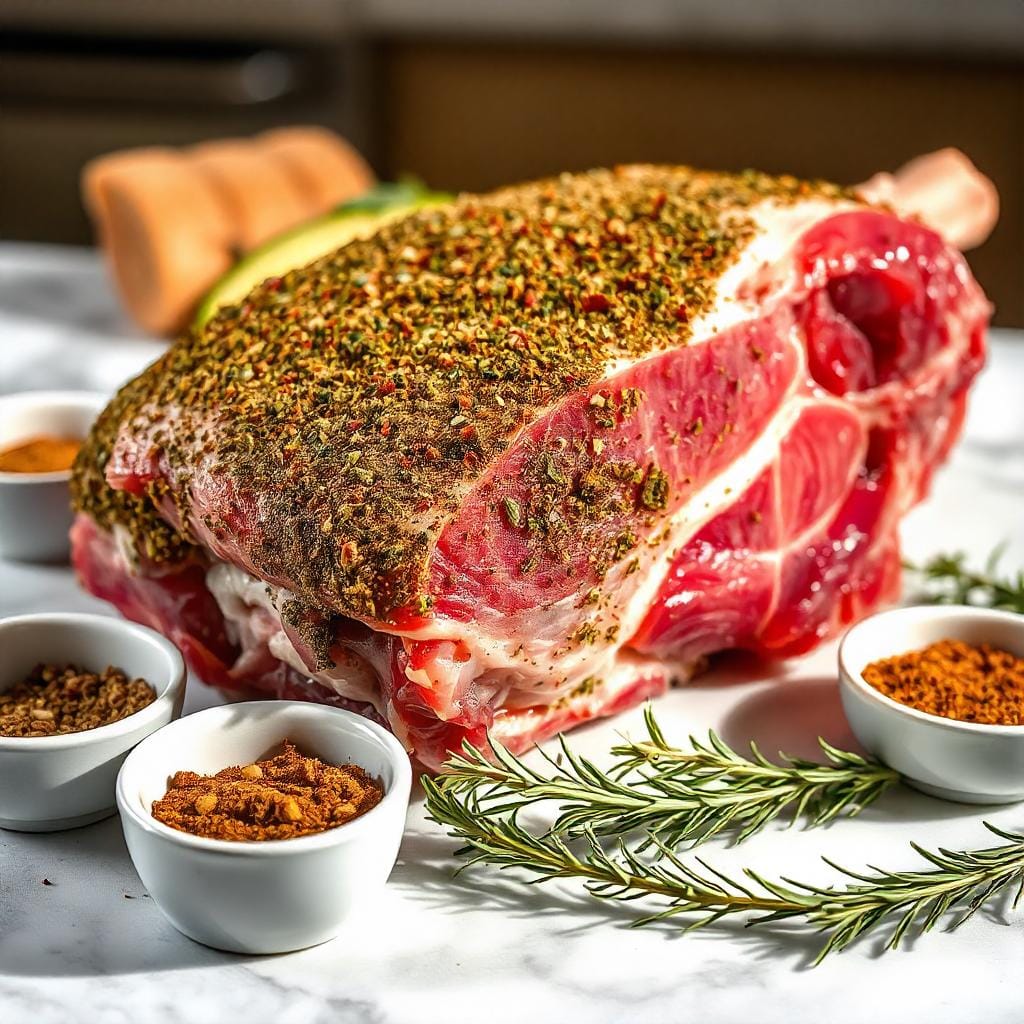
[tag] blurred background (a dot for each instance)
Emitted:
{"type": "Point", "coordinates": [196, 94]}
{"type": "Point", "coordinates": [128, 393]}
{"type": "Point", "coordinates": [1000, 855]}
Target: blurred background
{"type": "Point", "coordinates": [468, 94]}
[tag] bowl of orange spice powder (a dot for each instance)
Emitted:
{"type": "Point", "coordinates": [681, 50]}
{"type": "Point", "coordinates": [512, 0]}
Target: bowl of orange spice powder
{"type": "Point", "coordinates": [40, 434]}
{"type": "Point", "coordinates": [261, 827]}
{"type": "Point", "coordinates": [937, 692]}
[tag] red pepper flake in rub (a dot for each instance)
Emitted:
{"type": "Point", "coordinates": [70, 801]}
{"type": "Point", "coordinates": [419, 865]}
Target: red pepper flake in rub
{"type": "Point", "coordinates": [595, 303]}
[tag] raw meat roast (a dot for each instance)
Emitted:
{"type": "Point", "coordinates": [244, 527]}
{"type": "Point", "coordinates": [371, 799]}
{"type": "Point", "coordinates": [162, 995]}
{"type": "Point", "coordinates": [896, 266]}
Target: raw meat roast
{"type": "Point", "coordinates": [525, 459]}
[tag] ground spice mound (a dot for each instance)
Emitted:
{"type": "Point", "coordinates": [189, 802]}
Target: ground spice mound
{"type": "Point", "coordinates": [356, 399]}
{"type": "Point", "coordinates": [55, 700]}
{"type": "Point", "coordinates": [283, 797]}
{"type": "Point", "coordinates": [980, 684]}
{"type": "Point", "coordinates": [40, 455]}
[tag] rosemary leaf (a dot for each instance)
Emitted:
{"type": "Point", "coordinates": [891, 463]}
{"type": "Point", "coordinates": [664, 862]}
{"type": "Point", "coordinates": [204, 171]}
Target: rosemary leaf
{"type": "Point", "coordinates": [672, 795]}
{"type": "Point", "coordinates": [946, 579]}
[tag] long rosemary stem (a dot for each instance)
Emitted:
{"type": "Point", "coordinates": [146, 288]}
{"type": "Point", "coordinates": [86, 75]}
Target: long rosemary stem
{"type": "Point", "coordinates": [658, 796]}
{"type": "Point", "coordinates": [901, 900]}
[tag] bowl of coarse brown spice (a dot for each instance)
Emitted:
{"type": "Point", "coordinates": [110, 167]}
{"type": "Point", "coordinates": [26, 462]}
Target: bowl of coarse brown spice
{"type": "Point", "coordinates": [260, 827]}
{"type": "Point", "coordinates": [77, 693]}
{"type": "Point", "coordinates": [937, 692]}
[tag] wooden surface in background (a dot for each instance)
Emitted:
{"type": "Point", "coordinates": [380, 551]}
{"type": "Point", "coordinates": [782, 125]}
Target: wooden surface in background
{"type": "Point", "coordinates": [476, 116]}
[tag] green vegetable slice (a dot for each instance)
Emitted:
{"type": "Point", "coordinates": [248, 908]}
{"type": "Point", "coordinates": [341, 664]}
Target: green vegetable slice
{"type": "Point", "coordinates": [357, 218]}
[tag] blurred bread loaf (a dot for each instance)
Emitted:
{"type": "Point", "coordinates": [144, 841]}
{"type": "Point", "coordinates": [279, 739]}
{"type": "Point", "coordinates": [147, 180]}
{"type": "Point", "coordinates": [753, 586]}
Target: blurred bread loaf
{"type": "Point", "coordinates": [166, 233]}
{"type": "Point", "coordinates": [322, 164]}
{"type": "Point", "coordinates": [260, 196]}
{"type": "Point", "coordinates": [172, 221]}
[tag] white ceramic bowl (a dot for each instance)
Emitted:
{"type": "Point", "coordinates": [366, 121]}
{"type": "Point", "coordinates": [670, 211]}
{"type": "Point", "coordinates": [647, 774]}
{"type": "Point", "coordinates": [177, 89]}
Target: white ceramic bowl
{"type": "Point", "coordinates": [54, 782]}
{"type": "Point", "coordinates": [982, 764]}
{"type": "Point", "coordinates": [35, 508]}
{"type": "Point", "coordinates": [270, 896]}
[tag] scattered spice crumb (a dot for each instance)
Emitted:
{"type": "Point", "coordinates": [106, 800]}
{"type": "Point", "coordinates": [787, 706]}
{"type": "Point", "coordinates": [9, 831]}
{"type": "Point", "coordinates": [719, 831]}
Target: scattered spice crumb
{"type": "Point", "coordinates": [46, 881]}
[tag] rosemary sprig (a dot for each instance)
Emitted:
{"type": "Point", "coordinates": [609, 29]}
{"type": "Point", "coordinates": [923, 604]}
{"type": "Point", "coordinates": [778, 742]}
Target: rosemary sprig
{"type": "Point", "coordinates": [948, 581]}
{"type": "Point", "coordinates": [747, 793]}
{"type": "Point", "coordinates": [906, 900]}
{"type": "Point", "coordinates": [671, 795]}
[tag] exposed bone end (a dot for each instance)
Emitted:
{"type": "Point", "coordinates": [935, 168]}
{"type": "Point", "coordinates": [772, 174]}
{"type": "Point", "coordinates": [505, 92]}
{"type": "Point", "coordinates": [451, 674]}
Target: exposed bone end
{"type": "Point", "coordinates": [946, 191]}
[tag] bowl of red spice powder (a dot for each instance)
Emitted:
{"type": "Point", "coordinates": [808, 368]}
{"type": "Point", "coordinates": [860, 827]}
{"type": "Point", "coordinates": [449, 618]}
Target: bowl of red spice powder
{"type": "Point", "coordinates": [261, 827]}
{"type": "Point", "coordinates": [937, 692]}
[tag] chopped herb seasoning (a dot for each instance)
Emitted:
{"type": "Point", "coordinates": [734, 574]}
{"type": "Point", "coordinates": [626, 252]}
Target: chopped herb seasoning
{"type": "Point", "coordinates": [586, 633]}
{"type": "Point", "coordinates": [356, 399]}
{"type": "Point", "coordinates": [584, 689]}
{"type": "Point", "coordinates": [654, 495]}
{"type": "Point", "coordinates": [513, 512]}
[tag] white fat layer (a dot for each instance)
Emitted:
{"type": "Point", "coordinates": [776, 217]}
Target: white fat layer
{"type": "Point", "coordinates": [766, 258]}
{"type": "Point", "coordinates": [251, 609]}
{"type": "Point", "coordinates": [240, 596]}
{"type": "Point", "coordinates": [124, 545]}
{"type": "Point", "coordinates": [626, 670]}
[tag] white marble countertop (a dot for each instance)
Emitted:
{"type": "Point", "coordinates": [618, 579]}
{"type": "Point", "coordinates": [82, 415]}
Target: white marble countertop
{"type": "Point", "coordinates": [93, 947]}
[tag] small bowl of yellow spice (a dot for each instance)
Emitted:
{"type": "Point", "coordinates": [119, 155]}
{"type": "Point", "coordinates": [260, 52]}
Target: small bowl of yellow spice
{"type": "Point", "coordinates": [937, 693]}
{"type": "Point", "coordinates": [40, 435]}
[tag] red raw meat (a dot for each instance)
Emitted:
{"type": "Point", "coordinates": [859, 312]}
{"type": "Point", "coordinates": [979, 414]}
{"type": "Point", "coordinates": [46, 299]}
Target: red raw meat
{"type": "Point", "coordinates": [761, 468]}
